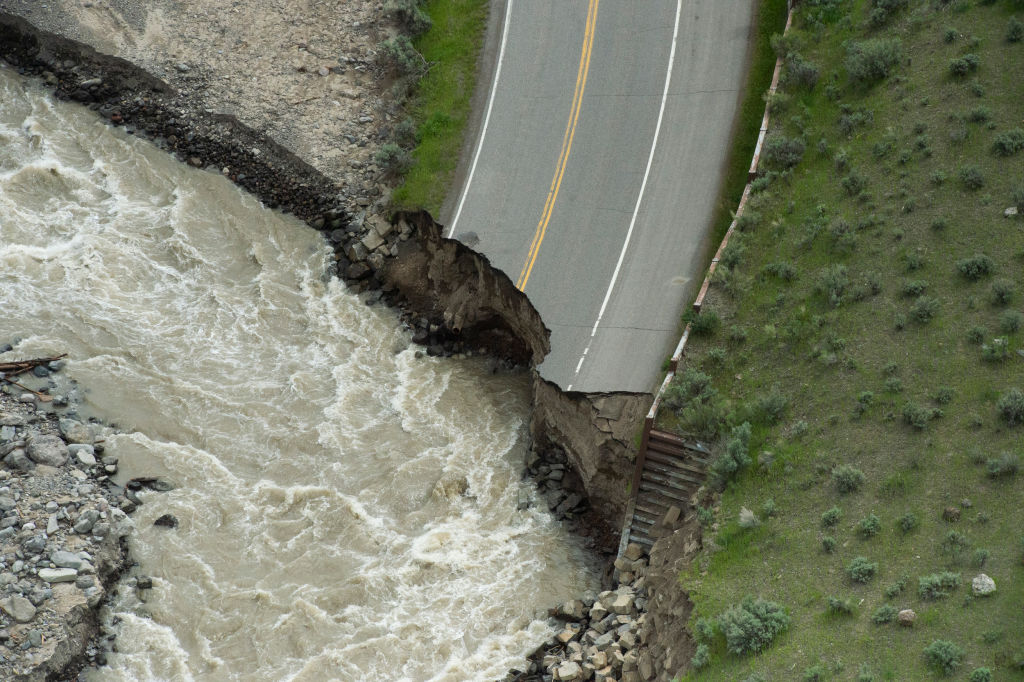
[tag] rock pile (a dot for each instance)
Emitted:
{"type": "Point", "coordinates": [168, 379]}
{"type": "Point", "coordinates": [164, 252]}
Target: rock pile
{"type": "Point", "coordinates": [602, 637]}
{"type": "Point", "coordinates": [61, 538]}
{"type": "Point", "coordinates": [559, 486]}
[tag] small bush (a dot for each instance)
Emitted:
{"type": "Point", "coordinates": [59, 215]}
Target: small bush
{"type": "Point", "coordinates": [705, 629]}
{"type": "Point", "coordinates": [924, 309]}
{"type": "Point", "coordinates": [869, 61]}
{"type": "Point", "coordinates": [690, 386]}
{"type": "Point", "coordinates": [979, 557]}
{"type": "Point", "coordinates": [392, 159]}
{"type": "Point", "coordinates": [410, 15]}
{"type": "Point", "coordinates": [980, 675]}
{"type": "Point", "coordinates": [782, 270]}
{"type": "Point", "coordinates": [703, 419]}
{"type": "Point", "coordinates": [869, 526]}
{"type": "Point", "coordinates": [781, 152]}
{"type": "Point", "coordinates": [735, 457]}
{"type": "Point", "coordinates": [861, 570]}
{"type": "Point", "coordinates": [1008, 143]}
{"type": "Point", "coordinates": [400, 54]}
{"type": "Point", "coordinates": [884, 614]}
{"type": "Point", "coordinates": [1010, 321]}
{"type": "Point", "coordinates": [894, 590]}
{"type": "Point", "coordinates": [800, 72]}
{"type": "Point", "coordinates": [828, 543]}
{"type": "Point", "coordinates": [1014, 30]}
{"type": "Point", "coordinates": [976, 334]}
{"type": "Point", "coordinates": [937, 585]}
{"type": "Point", "coordinates": [701, 657]}
{"type": "Point", "coordinates": [1002, 292]}
{"type": "Point", "coordinates": [832, 283]}
{"type": "Point", "coordinates": [840, 607]}
{"type": "Point", "coordinates": [962, 66]}
{"type": "Point", "coordinates": [831, 517]}
{"type": "Point", "coordinates": [854, 184]}
{"type": "Point", "coordinates": [847, 479]}
{"type": "Point", "coordinates": [751, 625]}
{"type": "Point", "coordinates": [1011, 406]}
{"type": "Point", "coordinates": [1018, 199]}
{"type": "Point", "coordinates": [1005, 466]}
{"type": "Point", "coordinates": [914, 287]}
{"type": "Point", "coordinates": [944, 656]}
{"type": "Point", "coordinates": [893, 385]}
{"type": "Point", "coordinates": [971, 178]}
{"type": "Point", "coordinates": [980, 115]}
{"type": "Point", "coordinates": [907, 523]}
{"type": "Point", "coordinates": [955, 544]}
{"type": "Point", "coordinates": [977, 266]}
{"type": "Point", "coordinates": [996, 351]}
{"type": "Point", "coordinates": [917, 416]}
{"type": "Point", "coordinates": [943, 395]}
{"type": "Point", "coordinates": [704, 323]}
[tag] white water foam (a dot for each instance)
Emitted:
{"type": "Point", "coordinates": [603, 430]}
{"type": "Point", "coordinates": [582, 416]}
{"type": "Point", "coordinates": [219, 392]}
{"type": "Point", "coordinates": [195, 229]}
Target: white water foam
{"type": "Point", "coordinates": [347, 510]}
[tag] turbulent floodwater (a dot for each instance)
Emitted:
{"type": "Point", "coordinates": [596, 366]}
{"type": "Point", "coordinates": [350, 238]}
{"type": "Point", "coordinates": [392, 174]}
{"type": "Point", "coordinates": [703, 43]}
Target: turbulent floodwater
{"type": "Point", "coordinates": [347, 510]}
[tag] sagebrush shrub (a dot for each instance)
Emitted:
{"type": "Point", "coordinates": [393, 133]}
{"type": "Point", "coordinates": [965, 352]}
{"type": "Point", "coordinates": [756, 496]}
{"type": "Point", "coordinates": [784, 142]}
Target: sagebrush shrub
{"type": "Point", "coordinates": [800, 72]}
{"type": "Point", "coordinates": [884, 614]}
{"type": "Point", "coordinates": [861, 570]}
{"type": "Point", "coordinates": [831, 517]}
{"type": "Point", "coordinates": [704, 323]}
{"type": "Point", "coordinates": [1008, 143]}
{"type": "Point", "coordinates": [962, 66]}
{"type": "Point", "coordinates": [828, 543]}
{"type": "Point", "coordinates": [977, 266]}
{"type": "Point", "coordinates": [392, 159]}
{"type": "Point", "coordinates": [869, 526]}
{"type": "Point", "coordinates": [751, 625]}
{"type": "Point", "coordinates": [736, 455]}
{"type": "Point", "coordinates": [840, 607]}
{"type": "Point", "coordinates": [1011, 406]}
{"type": "Point", "coordinates": [944, 656]}
{"type": "Point", "coordinates": [937, 585]}
{"type": "Point", "coordinates": [1010, 321]}
{"type": "Point", "coordinates": [914, 287]}
{"type": "Point", "coordinates": [997, 350]}
{"type": "Point", "coordinates": [782, 152]}
{"type": "Point", "coordinates": [869, 61]}
{"type": "Point", "coordinates": [980, 675]}
{"type": "Point", "coordinates": [400, 54]}
{"type": "Point", "coordinates": [971, 178]}
{"type": "Point", "coordinates": [976, 334]}
{"type": "Point", "coordinates": [924, 308]}
{"type": "Point", "coordinates": [1002, 292]}
{"type": "Point", "coordinates": [907, 522]}
{"type": "Point", "coordinates": [955, 544]}
{"type": "Point", "coordinates": [1014, 30]}
{"type": "Point", "coordinates": [832, 283]}
{"type": "Point", "coordinates": [847, 479]}
{"type": "Point", "coordinates": [701, 657]}
{"type": "Point", "coordinates": [917, 416]}
{"type": "Point", "coordinates": [410, 15]}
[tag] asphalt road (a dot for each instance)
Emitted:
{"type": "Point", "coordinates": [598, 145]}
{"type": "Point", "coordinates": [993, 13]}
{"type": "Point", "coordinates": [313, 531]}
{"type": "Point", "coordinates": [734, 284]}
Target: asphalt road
{"type": "Point", "coordinates": [565, 193]}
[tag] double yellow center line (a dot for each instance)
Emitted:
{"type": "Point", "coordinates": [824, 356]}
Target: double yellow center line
{"type": "Point", "coordinates": [563, 157]}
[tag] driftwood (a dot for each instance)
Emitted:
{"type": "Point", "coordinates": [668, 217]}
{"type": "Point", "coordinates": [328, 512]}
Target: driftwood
{"type": "Point", "coordinates": [13, 369]}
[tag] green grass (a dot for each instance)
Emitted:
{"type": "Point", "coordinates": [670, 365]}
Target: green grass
{"type": "Point", "coordinates": [771, 18]}
{"type": "Point", "coordinates": [823, 343]}
{"type": "Point", "coordinates": [440, 106]}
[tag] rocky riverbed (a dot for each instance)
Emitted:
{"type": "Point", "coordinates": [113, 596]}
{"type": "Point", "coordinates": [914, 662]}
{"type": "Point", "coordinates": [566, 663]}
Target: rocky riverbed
{"type": "Point", "coordinates": [63, 528]}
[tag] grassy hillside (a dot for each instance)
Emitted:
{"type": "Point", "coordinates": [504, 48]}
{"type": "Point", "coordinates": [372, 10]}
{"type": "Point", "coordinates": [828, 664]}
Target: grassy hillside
{"type": "Point", "coordinates": [866, 324]}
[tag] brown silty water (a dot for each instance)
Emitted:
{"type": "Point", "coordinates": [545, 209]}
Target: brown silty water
{"type": "Point", "coordinates": [347, 510]}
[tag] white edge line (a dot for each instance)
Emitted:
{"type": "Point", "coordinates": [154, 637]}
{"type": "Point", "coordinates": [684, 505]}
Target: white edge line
{"type": "Point", "coordinates": [487, 118]}
{"type": "Point", "coordinates": [643, 187]}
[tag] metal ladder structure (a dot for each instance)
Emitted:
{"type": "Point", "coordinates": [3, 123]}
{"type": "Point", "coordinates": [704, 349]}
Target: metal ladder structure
{"type": "Point", "coordinates": [668, 472]}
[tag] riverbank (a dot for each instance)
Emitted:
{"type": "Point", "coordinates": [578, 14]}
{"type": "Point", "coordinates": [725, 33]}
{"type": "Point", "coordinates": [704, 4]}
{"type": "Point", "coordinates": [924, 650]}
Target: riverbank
{"type": "Point", "coordinates": [63, 535]}
{"type": "Point", "coordinates": [453, 300]}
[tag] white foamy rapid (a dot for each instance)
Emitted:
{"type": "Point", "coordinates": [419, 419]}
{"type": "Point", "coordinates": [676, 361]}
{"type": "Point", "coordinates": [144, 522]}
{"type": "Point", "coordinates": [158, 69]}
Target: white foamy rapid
{"type": "Point", "coordinates": [347, 511]}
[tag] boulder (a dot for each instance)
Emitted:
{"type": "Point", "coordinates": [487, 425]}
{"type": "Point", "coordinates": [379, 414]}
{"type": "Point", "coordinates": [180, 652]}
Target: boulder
{"type": "Point", "coordinates": [906, 618]}
{"type": "Point", "coordinates": [622, 604]}
{"type": "Point", "coordinates": [18, 608]}
{"type": "Point", "coordinates": [63, 559]}
{"type": "Point", "coordinates": [58, 575]}
{"type": "Point", "coordinates": [982, 585]}
{"type": "Point", "coordinates": [633, 551]}
{"type": "Point", "coordinates": [570, 670]}
{"type": "Point", "coordinates": [77, 432]}
{"type": "Point", "coordinates": [48, 449]}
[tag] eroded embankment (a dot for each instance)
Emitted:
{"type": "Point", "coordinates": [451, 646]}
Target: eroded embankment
{"type": "Point", "coordinates": [452, 297]}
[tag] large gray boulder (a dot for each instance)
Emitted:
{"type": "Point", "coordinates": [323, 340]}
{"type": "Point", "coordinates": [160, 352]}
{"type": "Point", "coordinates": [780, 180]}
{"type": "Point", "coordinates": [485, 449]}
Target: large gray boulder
{"type": "Point", "coordinates": [77, 432]}
{"type": "Point", "coordinates": [18, 608]}
{"type": "Point", "coordinates": [48, 449]}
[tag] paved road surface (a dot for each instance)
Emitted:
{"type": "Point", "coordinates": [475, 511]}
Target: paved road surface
{"type": "Point", "coordinates": [566, 195]}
